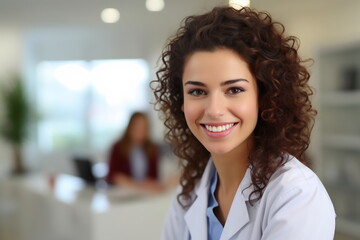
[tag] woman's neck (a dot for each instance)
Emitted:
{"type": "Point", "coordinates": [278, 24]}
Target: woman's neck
{"type": "Point", "coordinates": [231, 168]}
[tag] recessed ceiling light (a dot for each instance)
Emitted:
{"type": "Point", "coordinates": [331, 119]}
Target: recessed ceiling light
{"type": "Point", "coordinates": [155, 5]}
{"type": "Point", "coordinates": [110, 15]}
{"type": "Point", "coordinates": [237, 4]}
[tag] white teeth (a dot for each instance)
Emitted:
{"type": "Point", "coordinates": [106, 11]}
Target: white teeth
{"type": "Point", "coordinates": [219, 128]}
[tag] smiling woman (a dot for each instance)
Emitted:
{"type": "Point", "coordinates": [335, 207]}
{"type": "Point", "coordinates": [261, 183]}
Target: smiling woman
{"type": "Point", "coordinates": [235, 98]}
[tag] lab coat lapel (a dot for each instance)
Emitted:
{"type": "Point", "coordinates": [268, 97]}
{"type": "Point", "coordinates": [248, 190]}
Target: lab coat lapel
{"type": "Point", "coordinates": [195, 218]}
{"type": "Point", "coordinates": [238, 215]}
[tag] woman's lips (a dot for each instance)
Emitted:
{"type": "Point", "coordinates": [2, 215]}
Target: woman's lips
{"type": "Point", "coordinates": [218, 130]}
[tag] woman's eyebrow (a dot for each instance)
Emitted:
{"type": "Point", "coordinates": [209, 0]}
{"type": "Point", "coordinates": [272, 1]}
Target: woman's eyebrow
{"type": "Point", "coordinates": [196, 83]}
{"type": "Point", "coordinates": [229, 82]}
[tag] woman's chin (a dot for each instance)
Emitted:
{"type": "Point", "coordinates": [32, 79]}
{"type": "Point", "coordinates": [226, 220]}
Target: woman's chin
{"type": "Point", "coordinates": [218, 150]}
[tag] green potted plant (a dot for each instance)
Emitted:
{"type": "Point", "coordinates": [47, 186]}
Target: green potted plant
{"type": "Point", "coordinates": [14, 120]}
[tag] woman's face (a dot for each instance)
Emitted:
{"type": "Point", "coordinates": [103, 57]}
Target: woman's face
{"type": "Point", "coordinates": [139, 130]}
{"type": "Point", "coordinates": [220, 100]}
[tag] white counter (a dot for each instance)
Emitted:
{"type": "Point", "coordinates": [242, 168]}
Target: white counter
{"type": "Point", "coordinates": [73, 211]}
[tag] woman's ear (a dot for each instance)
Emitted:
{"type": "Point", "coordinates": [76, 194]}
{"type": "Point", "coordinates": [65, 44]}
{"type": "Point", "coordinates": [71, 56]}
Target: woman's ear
{"type": "Point", "coordinates": [182, 107]}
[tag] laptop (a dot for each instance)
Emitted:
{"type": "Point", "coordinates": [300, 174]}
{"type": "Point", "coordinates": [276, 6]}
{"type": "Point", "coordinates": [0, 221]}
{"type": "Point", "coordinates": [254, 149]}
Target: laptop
{"type": "Point", "coordinates": [83, 168]}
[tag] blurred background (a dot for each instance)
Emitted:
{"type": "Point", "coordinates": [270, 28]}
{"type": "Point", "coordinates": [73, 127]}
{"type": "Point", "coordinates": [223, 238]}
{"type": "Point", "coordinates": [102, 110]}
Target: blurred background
{"type": "Point", "coordinates": [72, 75]}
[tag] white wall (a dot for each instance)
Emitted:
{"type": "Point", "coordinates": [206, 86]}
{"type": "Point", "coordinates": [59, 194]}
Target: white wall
{"type": "Point", "coordinates": [10, 50]}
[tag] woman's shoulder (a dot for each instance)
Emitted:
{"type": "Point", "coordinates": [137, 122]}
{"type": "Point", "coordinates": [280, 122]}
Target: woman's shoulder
{"type": "Point", "coordinates": [293, 181]}
{"type": "Point", "coordinates": [296, 197]}
{"type": "Point", "coordinates": [294, 172]}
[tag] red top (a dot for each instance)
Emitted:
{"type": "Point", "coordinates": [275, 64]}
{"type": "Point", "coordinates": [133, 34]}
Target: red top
{"type": "Point", "coordinates": [120, 163]}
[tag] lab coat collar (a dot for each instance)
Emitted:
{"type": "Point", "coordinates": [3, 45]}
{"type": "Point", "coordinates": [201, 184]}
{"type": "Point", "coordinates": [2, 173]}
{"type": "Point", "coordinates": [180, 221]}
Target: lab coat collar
{"type": "Point", "coordinates": [246, 187]}
{"type": "Point", "coordinates": [238, 216]}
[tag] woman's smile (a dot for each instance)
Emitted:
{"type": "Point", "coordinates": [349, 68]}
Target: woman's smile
{"type": "Point", "coordinates": [218, 130]}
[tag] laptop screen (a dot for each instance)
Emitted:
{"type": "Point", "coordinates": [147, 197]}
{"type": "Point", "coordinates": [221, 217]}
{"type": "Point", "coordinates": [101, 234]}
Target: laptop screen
{"type": "Point", "coordinates": [83, 167]}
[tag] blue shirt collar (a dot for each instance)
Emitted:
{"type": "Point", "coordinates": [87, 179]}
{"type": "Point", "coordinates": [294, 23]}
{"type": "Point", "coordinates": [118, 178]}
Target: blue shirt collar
{"type": "Point", "coordinates": [215, 228]}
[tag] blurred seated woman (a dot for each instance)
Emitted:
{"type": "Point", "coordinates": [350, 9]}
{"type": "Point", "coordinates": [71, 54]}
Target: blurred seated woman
{"type": "Point", "coordinates": [133, 160]}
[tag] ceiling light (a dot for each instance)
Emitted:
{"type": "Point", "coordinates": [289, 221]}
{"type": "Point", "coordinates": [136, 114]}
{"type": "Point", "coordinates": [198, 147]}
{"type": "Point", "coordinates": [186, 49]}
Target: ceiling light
{"type": "Point", "coordinates": [110, 15]}
{"type": "Point", "coordinates": [237, 4]}
{"type": "Point", "coordinates": [155, 5]}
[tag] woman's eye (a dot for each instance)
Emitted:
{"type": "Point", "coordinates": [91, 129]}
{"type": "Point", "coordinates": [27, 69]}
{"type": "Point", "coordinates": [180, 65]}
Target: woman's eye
{"type": "Point", "coordinates": [196, 92]}
{"type": "Point", "coordinates": [235, 90]}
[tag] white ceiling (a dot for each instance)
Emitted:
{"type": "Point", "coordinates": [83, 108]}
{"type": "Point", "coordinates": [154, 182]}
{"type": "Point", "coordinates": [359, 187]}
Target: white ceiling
{"type": "Point", "coordinates": [86, 13]}
{"type": "Point", "coordinates": [55, 18]}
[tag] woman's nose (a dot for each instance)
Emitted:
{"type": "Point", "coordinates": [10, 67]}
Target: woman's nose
{"type": "Point", "coordinates": [215, 106]}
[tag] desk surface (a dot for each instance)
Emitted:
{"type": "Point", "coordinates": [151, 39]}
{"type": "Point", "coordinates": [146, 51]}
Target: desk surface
{"type": "Point", "coordinates": [66, 208]}
{"type": "Point", "coordinates": [73, 190]}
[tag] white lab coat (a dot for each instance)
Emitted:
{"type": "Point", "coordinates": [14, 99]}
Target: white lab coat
{"type": "Point", "coordinates": [295, 205]}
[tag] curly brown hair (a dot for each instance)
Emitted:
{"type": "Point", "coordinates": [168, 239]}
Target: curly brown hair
{"type": "Point", "coordinates": [285, 116]}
